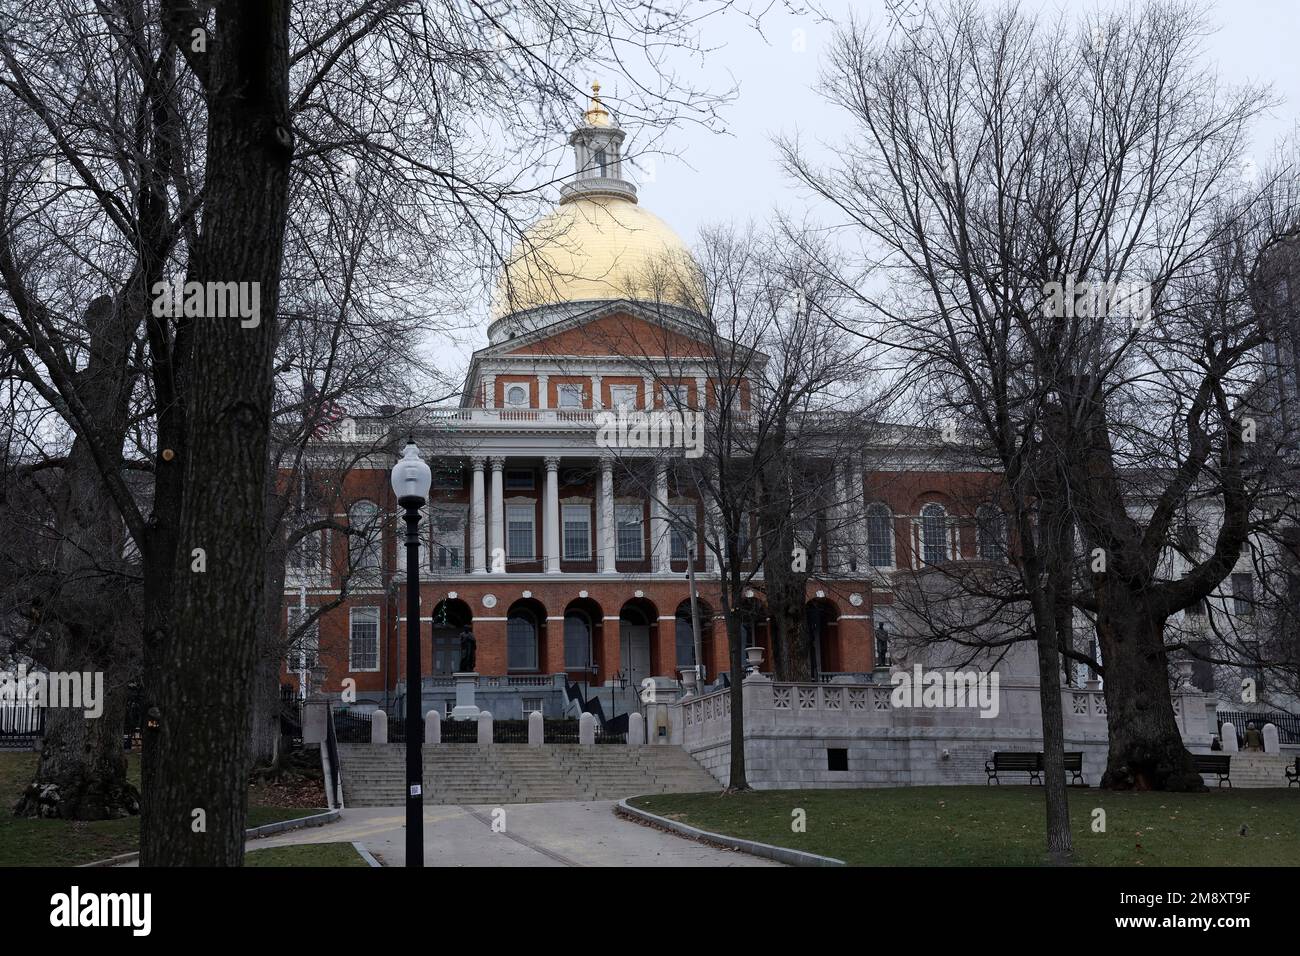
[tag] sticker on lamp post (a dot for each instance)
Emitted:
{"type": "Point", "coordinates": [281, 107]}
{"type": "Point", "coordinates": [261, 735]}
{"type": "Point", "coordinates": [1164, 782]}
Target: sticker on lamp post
{"type": "Point", "coordinates": [416, 790]}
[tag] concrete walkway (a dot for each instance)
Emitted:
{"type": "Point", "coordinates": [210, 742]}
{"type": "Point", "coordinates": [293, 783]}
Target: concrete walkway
{"type": "Point", "coordinates": [536, 834]}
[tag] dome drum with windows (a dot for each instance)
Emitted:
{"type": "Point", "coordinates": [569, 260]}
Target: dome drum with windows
{"type": "Point", "coordinates": [598, 245]}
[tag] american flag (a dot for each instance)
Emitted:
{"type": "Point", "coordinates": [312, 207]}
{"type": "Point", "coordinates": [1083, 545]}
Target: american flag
{"type": "Point", "coordinates": [319, 414]}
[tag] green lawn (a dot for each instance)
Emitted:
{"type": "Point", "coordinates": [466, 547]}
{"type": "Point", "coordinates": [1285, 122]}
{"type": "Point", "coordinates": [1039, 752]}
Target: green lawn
{"type": "Point", "coordinates": [1003, 826]}
{"type": "Point", "coordinates": [28, 842]}
{"type": "Point", "coordinates": [308, 854]}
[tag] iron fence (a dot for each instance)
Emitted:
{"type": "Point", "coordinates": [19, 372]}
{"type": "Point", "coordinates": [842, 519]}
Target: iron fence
{"type": "Point", "coordinates": [1288, 725]}
{"type": "Point", "coordinates": [351, 728]}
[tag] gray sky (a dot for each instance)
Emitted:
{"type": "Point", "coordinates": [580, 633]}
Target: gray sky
{"type": "Point", "coordinates": [735, 176]}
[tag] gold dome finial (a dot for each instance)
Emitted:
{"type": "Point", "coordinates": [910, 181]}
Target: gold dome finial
{"type": "Point", "coordinates": [596, 114]}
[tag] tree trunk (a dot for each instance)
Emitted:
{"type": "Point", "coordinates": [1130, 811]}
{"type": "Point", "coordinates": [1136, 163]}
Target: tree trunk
{"type": "Point", "coordinates": [197, 801]}
{"type": "Point", "coordinates": [1146, 746]}
{"type": "Point", "coordinates": [82, 769]}
{"type": "Point", "coordinates": [736, 779]}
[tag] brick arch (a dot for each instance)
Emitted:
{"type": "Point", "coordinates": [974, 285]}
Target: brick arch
{"type": "Point", "coordinates": [823, 618]}
{"type": "Point", "coordinates": [594, 614]}
{"type": "Point", "coordinates": [534, 609]}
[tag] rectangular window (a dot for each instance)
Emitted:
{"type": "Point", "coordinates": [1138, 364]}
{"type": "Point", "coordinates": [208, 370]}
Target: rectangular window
{"type": "Point", "coordinates": [742, 538]}
{"type": "Point", "coordinates": [304, 650]}
{"type": "Point", "coordinates": [577, 532]}
{"type": "Point", "coordinates": [570, 396]}
{"type": "Point", "coordinates": [676, 396]}
{"type": "Point", "coordinates": [363, 644]}
{"type": "Point", "coordinates": [1243, 595]}
{"type": "Point", "coordinates": [622, 396]}
{"type": "Point", "coordinates": [532, 704]}
{"type": "Point", "coordinates": [520, 479]}
{"type": "Point", "coordinates": [448, 536]}
{"type": "Point", "coordinates": [628, 520]}
{"type": "Point", "coordinates": [305, 553]}
{"type": "Point", "coordinates": [520, 535]}
{"type": "Point", "coordinates": [683, 530]}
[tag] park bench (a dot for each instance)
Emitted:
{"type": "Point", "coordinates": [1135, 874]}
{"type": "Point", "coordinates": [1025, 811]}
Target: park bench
{"type": "Point", "coordinates": [1025, 761]}
{"type": "Point", "coordinates": [1293, 774]}
{"type": "Point", "coordinates": [1218, 764]}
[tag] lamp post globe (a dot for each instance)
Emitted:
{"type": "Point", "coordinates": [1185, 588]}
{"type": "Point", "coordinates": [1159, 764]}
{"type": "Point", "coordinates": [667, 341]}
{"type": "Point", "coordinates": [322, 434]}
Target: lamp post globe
{"type": "Point", "coordinates": [411, 480]}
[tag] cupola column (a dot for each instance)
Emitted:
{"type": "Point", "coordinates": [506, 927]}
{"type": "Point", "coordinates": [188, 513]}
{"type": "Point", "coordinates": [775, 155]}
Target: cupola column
{"type": "Point", "coordinates": [659, 518]}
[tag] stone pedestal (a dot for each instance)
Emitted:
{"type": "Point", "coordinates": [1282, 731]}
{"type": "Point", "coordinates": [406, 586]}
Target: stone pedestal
{"type": "Point", "coordinates": [1272, 745]}
{"type": "Point", "coordinates": [466, 685]}
{"type": "Point", "coordinates": [1229, 737]}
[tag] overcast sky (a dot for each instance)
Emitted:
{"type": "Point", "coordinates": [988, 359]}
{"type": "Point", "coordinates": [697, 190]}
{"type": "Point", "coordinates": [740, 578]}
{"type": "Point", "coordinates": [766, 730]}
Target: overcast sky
{"type": "Point", "coordinates": [734, 175]}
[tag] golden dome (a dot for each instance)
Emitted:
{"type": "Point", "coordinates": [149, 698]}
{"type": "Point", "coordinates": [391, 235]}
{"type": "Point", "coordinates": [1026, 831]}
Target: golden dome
{"type": "Point", "coordinates": [596, 247]}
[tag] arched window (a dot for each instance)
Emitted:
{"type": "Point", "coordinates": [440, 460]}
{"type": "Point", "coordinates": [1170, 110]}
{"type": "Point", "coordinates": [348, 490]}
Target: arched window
{"type": "Point", "coordinates": [880, 536]}
{"type": "Point", "coordinates": [517, 396]}
{"type": "Point", "coordinates": [521, 640]}
{"type": "Point", "coordinates": [991, 531]}
{"type": "Point", "coordinates": [934, 534]}
{"type": "Point", "coordinates": [577, 641]}
{"type": "Point", "coordinates": [364, 540]}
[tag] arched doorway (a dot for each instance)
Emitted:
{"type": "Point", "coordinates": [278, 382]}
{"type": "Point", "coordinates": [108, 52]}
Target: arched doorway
{"type": "Point", "coordinates": [823, 628]}
{"type": "Point", "coordinates": [636, 623]}
{"type": "Point", "coordinates": [582, 638]}
{"type": "Point", "coordinates": [452, 618]}
{"type": "Point", "coordinates": [525, 637]}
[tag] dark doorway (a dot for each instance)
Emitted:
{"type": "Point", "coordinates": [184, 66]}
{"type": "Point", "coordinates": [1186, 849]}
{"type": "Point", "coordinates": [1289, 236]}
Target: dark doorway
{"type": "Point", "coordinates": [451, 619]}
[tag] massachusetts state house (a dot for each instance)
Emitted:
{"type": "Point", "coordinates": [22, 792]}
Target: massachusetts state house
{"type": "Point", "coordinates": [566, 564]}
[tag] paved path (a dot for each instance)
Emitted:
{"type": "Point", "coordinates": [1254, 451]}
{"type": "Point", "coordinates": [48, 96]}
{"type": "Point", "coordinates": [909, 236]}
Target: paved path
{"type": "Point", "coordinates": [536, 834]}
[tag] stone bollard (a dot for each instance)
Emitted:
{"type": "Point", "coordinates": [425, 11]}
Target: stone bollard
{"type": "Point", "coordinates": [485, 728]}
{"type": "Point", "coordinates": [635, 730]}
{"type": "Point", "coordinates": [433, 727]}
{"type": "Point", "coordinates": [1271, 743]}
{"type": "Point", "coordinates": [379, 727]}
{"type": "Point", "coordinates": [1228, 735]}
{"type": "Point", "coordinates": [535, 729]}
{"type": "Point", "coordinates": [587, 730]}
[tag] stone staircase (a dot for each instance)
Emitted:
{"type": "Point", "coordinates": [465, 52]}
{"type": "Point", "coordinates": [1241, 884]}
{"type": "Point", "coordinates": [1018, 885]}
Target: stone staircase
{"type": "Point", "coordinates": [374, 775]}
{"type": "Point", "coordinates": [1255, 770]}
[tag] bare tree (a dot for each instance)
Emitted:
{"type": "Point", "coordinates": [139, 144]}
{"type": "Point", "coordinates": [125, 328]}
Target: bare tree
{"type": "Point", "coordinates": [190, 169]}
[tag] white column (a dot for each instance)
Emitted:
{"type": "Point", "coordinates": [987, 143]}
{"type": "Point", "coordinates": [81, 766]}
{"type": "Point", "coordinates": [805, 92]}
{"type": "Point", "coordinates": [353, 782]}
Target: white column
{"type": "Point", "coordinates": [477, 517]}
{"type": "Point", "coordinates": [490, 394]}
{"type": "Point", "coordinates": [608, 545]}
{"type": "Point", "coordinates": [497, 517]}
{"type": "Point", "coordinates": [551, 516]}
{"type": "Point", "coordinates": [841, 539]}
{"type": "Point", "coordinates": [649, 392]}
{"type": "Point", "coordinates": [543, 384]}
{"type": "Point", "coordinates": [596, 400]}
{"type": "Point", "coordinates": [659, 518]}
{"type": "Point", "coordinates": [701, 392]}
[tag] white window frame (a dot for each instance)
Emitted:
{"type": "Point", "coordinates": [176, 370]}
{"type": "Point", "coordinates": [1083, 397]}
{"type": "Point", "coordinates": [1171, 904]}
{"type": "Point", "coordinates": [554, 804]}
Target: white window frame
{"type": "Point", "coordinates": [683, 513]}
{"type": "Point", "coordinates": [626, 508]}
{"type": "Point", "coordinates": [923, 540]}
{"type": "Point", "coordinates": [574, 509]}
{"type": "Point", "coordinates": [568, 389]}
{"type": "Point", "coordinates": [887, 514]}
{"type": "Point", "coordinates": [616, 390]}
{"type": "Point", "coordinates": [444, 540]}
{"type": "Point", "coordinates": [352, 637]}
{"type": "Point", "coordinates": [515, 513]}
{"type": "Point", "coordinates": [536, 649]}
{"type": "Point", "coordinates": [680, 394]}
{"type": "Point", "coordinates": [363, 547]}
{"type": "Point", "coordinates": [523, 388]}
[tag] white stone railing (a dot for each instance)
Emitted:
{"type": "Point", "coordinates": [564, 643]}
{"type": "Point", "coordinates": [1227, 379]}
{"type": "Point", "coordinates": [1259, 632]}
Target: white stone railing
{"type": "Point", "coordinates": [774, 708]}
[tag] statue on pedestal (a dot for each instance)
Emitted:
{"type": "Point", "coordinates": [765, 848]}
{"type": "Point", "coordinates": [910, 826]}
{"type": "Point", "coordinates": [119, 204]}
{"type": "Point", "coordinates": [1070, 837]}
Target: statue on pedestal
{"type": "Point", "coordinates": [467, 651]}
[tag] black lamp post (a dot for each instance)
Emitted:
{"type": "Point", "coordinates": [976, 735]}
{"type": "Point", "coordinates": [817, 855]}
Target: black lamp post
{"type": "Point", "coordinates": [411, 480]}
